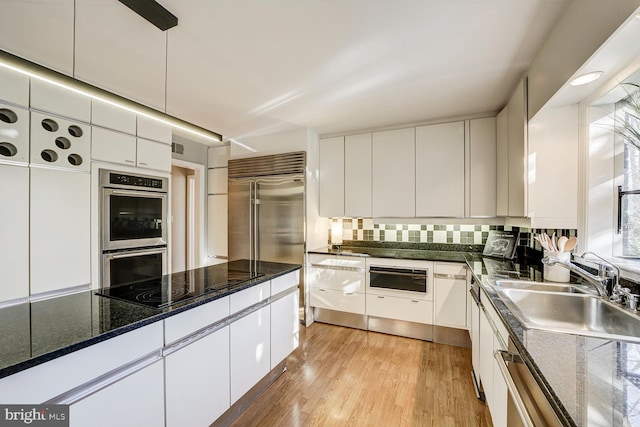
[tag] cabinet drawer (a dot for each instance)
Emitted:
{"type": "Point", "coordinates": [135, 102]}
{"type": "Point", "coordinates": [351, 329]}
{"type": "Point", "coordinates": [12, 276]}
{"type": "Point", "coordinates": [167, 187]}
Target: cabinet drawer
{"type": "Point", "coordinates": [349, 262]}
{"type": "Point", "coordinates": [450, 269]}
{"type": "Point", "coordinates": [248, 297]}
{"type": "Point", "coordinates": [410, 310]}
{"type": "Point", "coordinates": [351, 302]}
{"type": "Point", "coordinates": [285, 282]}
{"type": "Point", "coordinates": [153, 130]}
{"type": "Point", "coordinates": [58, 100]}
{"type": "Point", "coordinates": [340, 280]}
{"type": "Point", "coordinates": [183, 324]}
{"type": "Point", "coordinates": [111, 117]}
{"type": "Point", "coordinates": [114, 147]}
{"type": "Point", "coordinates": [153, 155]}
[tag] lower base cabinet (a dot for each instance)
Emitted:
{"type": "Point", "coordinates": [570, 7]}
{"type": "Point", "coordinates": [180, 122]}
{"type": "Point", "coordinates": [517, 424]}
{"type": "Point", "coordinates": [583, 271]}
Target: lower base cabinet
{"type": "Point", "coordinates": [409, 310]}
{"type": "Point", "coordinates": [250, 351]}
{"type": "Point", "coordinates": [136, 400]}
{"type": "Point", "coordinates": [197, 381]}
{"type": "Point", "coordinates": [285, 328]}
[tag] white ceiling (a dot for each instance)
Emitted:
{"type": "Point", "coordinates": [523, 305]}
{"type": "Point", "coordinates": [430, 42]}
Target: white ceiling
{"type": "Point", "coordinates": [249, 67]}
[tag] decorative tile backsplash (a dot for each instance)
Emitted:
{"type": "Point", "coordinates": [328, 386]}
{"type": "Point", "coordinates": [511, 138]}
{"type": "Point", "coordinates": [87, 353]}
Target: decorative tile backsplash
{"type": "Point", "coordinates": [364, 229]}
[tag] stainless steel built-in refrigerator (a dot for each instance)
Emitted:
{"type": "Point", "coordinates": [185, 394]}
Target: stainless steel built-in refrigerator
{"type": "Point", "coordinates": [267, 210]}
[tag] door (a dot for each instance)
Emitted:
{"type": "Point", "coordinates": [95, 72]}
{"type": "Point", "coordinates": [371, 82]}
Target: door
{"type": "Point", "coordinates": [239, 218]}
{"type": "Point", "coordinates": [280, 219]}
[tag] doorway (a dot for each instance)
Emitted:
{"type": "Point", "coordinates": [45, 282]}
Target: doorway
{"type": "Point", "coordinates": [187, 215]}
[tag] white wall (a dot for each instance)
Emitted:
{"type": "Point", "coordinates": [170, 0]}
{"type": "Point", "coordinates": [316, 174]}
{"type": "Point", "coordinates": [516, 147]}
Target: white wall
{"type": "Point", "coordinates": [178, 218]}
{"type": "Point", "coordinates": [275, 143]}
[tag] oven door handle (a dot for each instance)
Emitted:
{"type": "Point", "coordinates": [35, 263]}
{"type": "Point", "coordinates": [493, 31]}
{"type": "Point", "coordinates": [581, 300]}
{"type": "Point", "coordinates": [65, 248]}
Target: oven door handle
{"type": "Point", "coordinates": [135, 253]}
{"type": "Point", "coordinates": [501, 357]}
{"type": "Point", "coordinates": [149, 193]}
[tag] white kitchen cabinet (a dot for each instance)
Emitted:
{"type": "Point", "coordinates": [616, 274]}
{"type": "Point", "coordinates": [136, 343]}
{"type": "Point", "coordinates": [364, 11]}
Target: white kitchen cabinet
{"type": "Point", "coordinates": [113, 147]}
{"type": "Point", "coordinates": [247, 297]}
{"type": "Point", "coordinates": [217, 242]}
{"type": "Point", "coordinates": [14, 135]}
{"type": "Point", "coordinates": [474, 327]}
{"type": "Point", "coordinates": [250, 351]}
{"type": "Point", "coordinates": [283, 283]}
{"type": "Point", "coordinates": [285, 327]}
{"type": "Point", "coordinates": [486, 357]}
{"type": "Point", "coordinates": [14, 87]}
{"type": "Point", "coordinates": [482, 167]}
{"type": "Point", "coordinates": [154, 130]}
{"type": "Point", "coordinates": [440, 170]}
{"type": "Point", "coordinates": [217, 181]}
{"type": "Point", "coordinates": [553, 191]}
{"type": "Point", "coordinates": [14, 229]}
{"type": "Point", "coordinates": [331, 177]}
{"type": "Point", "coordinates": [59, 142]}
{"type": "Point", "coordinates": [337, 282]}
{"type": "Point", "coordinates": [183, 324]}
{"type": "Point", "coordinates": [349, 302]}
{"type": "Point", "coordinates": [60, 229]}
{"type": "Point", "coordinates": [218, 157]}
{"type": "Point", "coordinates": [198, 381]}
{"type": "Point", "coordinates": [60, 101]}
{"type": "Point", "coordinates": [394, 175]}
{"type": "Point", "coordinates": [104, 55]}
{"type": "Point", "coordinates": [135, 400]}
{"type": "Point", "coordinates": [450, 295]}
{"type": "Point", "coordinates": [358, 189]}
{"type": "Point", "coordinates": [517, 131]}
{"type": "Point", "coordinates": [153, 155]}
{"type": "Point", "coordinates": [502, 163]}
{"type": "Point", "coordinates": [111, 117]}
{"type": "Point", "coordinates": [407, 309]}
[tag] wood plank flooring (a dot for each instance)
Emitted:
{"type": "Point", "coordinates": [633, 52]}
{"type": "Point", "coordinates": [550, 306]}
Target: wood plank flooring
{"type": "Point", "coordinates": [348, 377]}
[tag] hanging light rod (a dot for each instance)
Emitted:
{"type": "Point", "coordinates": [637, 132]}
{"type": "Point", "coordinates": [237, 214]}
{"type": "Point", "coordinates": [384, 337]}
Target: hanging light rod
{"type": "Point", "coordinates": [153, 12]}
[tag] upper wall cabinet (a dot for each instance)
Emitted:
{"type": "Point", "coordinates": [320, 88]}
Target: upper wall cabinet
{"type": "Point", "coordinates": [153, 130]}
{"type": "Point", "coordinates": [111, 117]}
{"type": "Point", "coordinates": [332, 177]}
{"type": "Point", "coordinates": [394, 174]}
{"type": "Point", "coordinates": [14, 134]}
{"type": "Point", "coordinates": [502, 163]}
{"type": "Point", "coordinates": [439, 162]}
{"type": "Point", "coordinates": [14, 87]}
{"type": "Point", "coordinates": [119, 51]}
{"type": "Point", "coordinates": [59, 142]}
{"type": "Point", "coordinates": [41, 31]}
{"type": "Point", "coordinates": [60, 101]}
{"type": "Point", "coordinates": [482, 167]}
{"type": "Point", "coordinates": [357, 176]}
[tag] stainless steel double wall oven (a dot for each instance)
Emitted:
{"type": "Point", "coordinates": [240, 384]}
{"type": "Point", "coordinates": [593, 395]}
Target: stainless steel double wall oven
{"type": "Point", "coordinates": [133, 225]}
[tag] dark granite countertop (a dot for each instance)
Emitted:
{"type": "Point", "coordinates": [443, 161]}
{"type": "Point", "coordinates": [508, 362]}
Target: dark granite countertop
{"type": "Point", "coordinates": [416, 251]}
{"type": "Point", "coordinates": [590, 381]}
{"type": "Point", "coordinates": [37, 332]}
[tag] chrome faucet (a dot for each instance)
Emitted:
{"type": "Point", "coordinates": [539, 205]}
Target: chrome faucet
{"type": "Point", "coordinates": [598, 282]}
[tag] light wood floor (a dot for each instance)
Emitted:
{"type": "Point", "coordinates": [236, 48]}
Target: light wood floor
{"type": "Point", "coordinates": [347, 377]}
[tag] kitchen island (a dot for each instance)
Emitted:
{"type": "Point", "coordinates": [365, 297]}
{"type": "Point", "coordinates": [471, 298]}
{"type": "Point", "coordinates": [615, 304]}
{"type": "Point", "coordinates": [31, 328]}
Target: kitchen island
{"type": "Point", "coordinates": [208, 353]}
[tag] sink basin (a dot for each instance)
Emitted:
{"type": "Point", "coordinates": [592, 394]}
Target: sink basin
{"type": "Point", "coordinates": [536, 286]}
{"type": "Point", "coordinates": [575, 313]}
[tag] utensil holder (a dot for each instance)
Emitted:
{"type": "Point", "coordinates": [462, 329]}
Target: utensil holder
{"type": "Point", "coordinates": [557, 273]}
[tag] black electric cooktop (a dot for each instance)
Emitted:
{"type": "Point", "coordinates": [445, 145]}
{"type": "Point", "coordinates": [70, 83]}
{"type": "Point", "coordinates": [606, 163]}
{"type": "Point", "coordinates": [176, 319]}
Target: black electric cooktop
{"type": "Point", "coordinates": [163, 291]}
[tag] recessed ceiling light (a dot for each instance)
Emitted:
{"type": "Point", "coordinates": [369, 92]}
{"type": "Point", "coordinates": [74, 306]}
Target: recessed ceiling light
{"type": "Point", "coordinates": [586, 78]}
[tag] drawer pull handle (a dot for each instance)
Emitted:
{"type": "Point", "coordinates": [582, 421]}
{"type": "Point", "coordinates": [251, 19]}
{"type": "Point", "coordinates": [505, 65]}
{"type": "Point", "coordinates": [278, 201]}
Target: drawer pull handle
{"type": "Point", "coordinates": [414, 300]}
{"type": "Point", "coordinates": [381, 297]}
{"type": "Point", "coordinates": [349, 293]}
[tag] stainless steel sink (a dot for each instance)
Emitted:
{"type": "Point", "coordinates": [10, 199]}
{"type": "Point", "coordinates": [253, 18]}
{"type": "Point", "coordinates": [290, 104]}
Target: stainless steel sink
{"type": "Point", "coordinates": [575, 313]}
{"type": "Point", "coordinates": [537, 286]}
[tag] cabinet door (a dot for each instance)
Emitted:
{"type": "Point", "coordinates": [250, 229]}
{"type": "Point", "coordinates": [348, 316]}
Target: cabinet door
{"type": "Point", "coordinates": [153, 155]}
{"type": "Point", "coordinates": [217, 230]}
{"type": "Point", "coordinates": [350, 302]}
{"type": "Point", "coordinates": [502, 163]}
{"type": "Point", "coordinates": [14, 134]}
{"type": "Point", "coordinates": [407, 309]}
{"type": "Point", "coordinates": [337, 279]}
{"type": "Point", "coordinates": [60, 101]}
{"type": "Point", "coordinates": [250, 351]}
{"type": "Point", "coordinates": [394, 174]}
{"type": "Point", "coordinates": [60, 143]}
{"type": "Point", "coordinates": [217, 180]}
{"type": "Point", "coordinates": [113, 147]}
{"type": "Point", "coordinates": [482, 167]}
{"type": "Point", "coordinates": [154, 130]}
{"type": "Point", "coordinates": [358, 189]}
{"type": "Point", "coordinates": [14, 87]}
{"type": "Point", "coordinates": [218, 157]}
{"type": "Point", "coordinates": [285, 328]}
{"type": "Point", "coordinates": [499, 401]}
{"type": "Point", "coordinates": [486, 357]}
{"type": "Point", "coordinates": [136, 400]}
{"type": "Point", "coordinates": [517, 130]}
{"type": "Point", "coordinates": [60, 229]}
{"type": "Point", "coordinates": [475, 337]}
{"type": "Point", "coordinates": [450, 302]}
{"type": "Point", "coordinates": [14, 229]}
{"type": "Point", "coordinates": [440, 170]}
{"type": "Point", "coordinates": [332, 177]}
{"type": "Point", "coordinates": [197, 381]}
{"type": "Point", "coordinates": [111, 117]}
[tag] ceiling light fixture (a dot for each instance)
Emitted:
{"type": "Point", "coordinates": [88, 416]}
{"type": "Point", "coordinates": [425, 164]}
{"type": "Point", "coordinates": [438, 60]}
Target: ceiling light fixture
{"type": "Point", "coordinates": [586, 78]}
{"type": "Point", "coordinates": [153, 12]}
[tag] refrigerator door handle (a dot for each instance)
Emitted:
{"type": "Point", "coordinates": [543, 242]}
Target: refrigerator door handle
{"type": "Point", "coordinates": [256, 226]}
{"type": "Point", "coordinates": [251, 184]}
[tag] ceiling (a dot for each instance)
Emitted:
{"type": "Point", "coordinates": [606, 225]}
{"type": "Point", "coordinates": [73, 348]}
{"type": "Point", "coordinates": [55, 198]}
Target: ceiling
{"type": "Point", "coordinates": [339, 66]}
{"type": "Point", "coordinates": [255, 67]}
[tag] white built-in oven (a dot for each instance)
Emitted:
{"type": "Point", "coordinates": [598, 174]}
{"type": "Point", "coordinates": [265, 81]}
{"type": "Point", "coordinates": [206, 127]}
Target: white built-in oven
{"type": "Point", "coordinates": [133, 211]}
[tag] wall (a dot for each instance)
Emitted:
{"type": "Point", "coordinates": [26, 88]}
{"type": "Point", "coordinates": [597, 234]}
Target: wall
{"type": "Point", "coordinates": [276, 143]}
{"type": "Point", "coordinates": [194, 152]}
{"type": "Point", "coordinates": [581, 30]}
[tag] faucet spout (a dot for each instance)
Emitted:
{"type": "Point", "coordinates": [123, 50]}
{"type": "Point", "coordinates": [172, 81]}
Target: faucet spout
{"type": "Point", "coordinates": [598, 282]}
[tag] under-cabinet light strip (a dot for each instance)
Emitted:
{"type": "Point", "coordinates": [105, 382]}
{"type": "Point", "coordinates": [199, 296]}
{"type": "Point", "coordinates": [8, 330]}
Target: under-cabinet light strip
{"type": "Point", "coordinates": [107, 101]}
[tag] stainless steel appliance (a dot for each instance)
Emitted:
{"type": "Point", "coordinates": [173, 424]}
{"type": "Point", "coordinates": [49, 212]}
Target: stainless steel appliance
{"type": "Point", "coordinates": [402, 279]}
{"type": "Point", "coordinates": [267, 210]}
{"type": "Point", "coordinates": [133, 224]}
{"type": "Point", "coordinates": [134, 210]}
